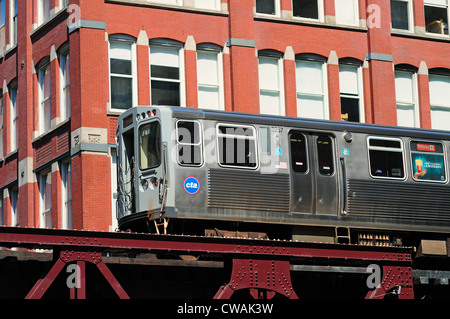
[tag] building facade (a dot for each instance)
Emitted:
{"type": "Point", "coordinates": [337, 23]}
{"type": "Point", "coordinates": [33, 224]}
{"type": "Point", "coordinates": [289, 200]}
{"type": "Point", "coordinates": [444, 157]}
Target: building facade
{"type": "Point", "coordinates": [68, 68]}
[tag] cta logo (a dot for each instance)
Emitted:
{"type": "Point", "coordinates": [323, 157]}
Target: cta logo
{"type": "Point", "coordinates": [191, 185]}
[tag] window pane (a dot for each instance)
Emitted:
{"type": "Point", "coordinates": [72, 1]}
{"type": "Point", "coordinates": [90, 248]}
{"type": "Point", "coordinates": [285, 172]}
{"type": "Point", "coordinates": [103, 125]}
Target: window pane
{"type": "Point", "coordinates": [325, 155]}
{"type": "Point", "coordinates": [120, 50]}
{"type": "Point", "coordinates": [404, 86]}
{"type": "Point", "coordinates": [150, 145]}
{"type": "Point", "coordinates": [310, 107]}
{"type": "Point", "coordinates": [399, 15]}
{"type": "Point", "coordinates": [208, 98]}
{"type": "Point", "coordinates": [188, 132]}
{"type": "Point", "coordinates": [436, 19]}
{"type": "Point", "coordinates": [207, 68]}
{"type": "Point", "coordinates": [165, 93]}
{"type": "Point", "coordinates": [166, 72]}
{"type": "Point", "coordinates": [237, 152]}
{"type": "Point", "coordinates": [166, 56]}
{"type": "Point", "coordinates": [439, 90]}
{"type": "Point", "coordinates": [348, 79]}
{"type": "Point", "coordinates": [440, 117]}
{"type": "Point", "coordinates": [309, 76]}
{"type": "Point", "coordinates": [346, 12]}
{"type": "Point", "coordinates": [386, 164]}
{"type": "Point", "coordinates": [350, 109]}
{"type": "Point", "coordinates": [406, 115]}
{"type": "Point", "coordinates": [298, 153]}
{"type": "Point", "coordinates": [306, 9]}
{"type": "Point", "coordinates": [121, 93]}
{"type": "Point", "coordinates": [268, 73]}
{"type": "Point", "coordinates": [265, 6]}
{"type": "Point", "coordinates": [269, 103]}
{"type": "Point", "coordinates": [121, 66]}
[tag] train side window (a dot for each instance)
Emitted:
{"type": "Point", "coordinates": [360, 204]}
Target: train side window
{"type": "Point", "coordinates": [189, 143]}
{"type": "Point", "coordinates": [298, 153]}
{"type": "Point", "coordinates": [428, 163]}
{"type": "Point", "coordinates": [386, 157]}
{"type": "Point", "coordinates": [325, 155]}
{"type": "Point", "coordinates": [237, 146]}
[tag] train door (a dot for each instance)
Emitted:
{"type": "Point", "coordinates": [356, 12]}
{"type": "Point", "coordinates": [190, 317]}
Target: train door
{"type": "Point", "coordinates": [326, 180]}
{"type": "Point", "coordinates": [314, 177]}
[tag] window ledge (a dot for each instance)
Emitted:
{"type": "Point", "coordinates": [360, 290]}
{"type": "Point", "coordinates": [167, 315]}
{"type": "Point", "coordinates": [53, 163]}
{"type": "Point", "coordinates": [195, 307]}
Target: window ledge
{"type": "Point", "coordinates": [43, 25]}
{"type": "Point", "coordinates": [308, 22]}
{"type": "Point", "coordinates": [148, 3]}
{"type": "Point", "coordinates": [424, 36]}
{"type": "Point", "coordinates": [49, 132]}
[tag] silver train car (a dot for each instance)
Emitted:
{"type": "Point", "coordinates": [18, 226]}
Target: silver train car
{"type": "Point", "coordinates": [290, 178]}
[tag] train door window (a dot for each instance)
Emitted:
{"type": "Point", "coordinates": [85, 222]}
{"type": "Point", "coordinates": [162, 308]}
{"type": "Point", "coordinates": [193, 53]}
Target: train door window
{"type": "Point", "coordinates": [428, 162]}
{"type": "Point", "coordinates": [237, 146]}
{"type": "Point", "coordinates": [189, 143]}
{"type": "Point", "coordinates": [325, 155]}
{"type": "Point", "coordinates": [150, 145]}
{"type": "Point", "coordinates": [386, 157]}
{"type": "Point", "coordinates": [298, 153]}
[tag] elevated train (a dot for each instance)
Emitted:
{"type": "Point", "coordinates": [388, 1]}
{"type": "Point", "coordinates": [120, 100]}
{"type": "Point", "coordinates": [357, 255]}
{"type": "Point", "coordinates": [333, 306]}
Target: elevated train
{"type": "Point", "coordinates": [289, 178]}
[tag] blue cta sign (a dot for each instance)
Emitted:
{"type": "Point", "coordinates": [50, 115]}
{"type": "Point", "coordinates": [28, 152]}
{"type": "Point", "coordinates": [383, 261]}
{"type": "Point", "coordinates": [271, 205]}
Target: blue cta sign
{"type": "Point", "coordinates": [191, 185]}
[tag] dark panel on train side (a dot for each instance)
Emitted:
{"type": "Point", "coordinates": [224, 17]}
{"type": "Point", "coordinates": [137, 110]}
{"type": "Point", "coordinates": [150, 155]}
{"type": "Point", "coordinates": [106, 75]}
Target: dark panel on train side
{"type": "Point", "coordinates": [398, 201]}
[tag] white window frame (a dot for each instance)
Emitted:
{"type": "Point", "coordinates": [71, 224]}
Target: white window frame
{"type": "Point", "coordinates": [355, 21]}
{"type": "Point", "coordinates": [44, 13]}
{"type": "Point", "coordinates": [133, 76]}
{"type": "Point", "coordinates": [254, 138]}
{"type": "Point", "coordinates": [360, 88]}
{"type": "Point", "coordinates": [279, 91]}
{"type": "Point", "coordinates": [212, 4]}
{"type": "Point", "coordinates": [64, 84]}
{"type": "Point", "coordinates": [387, 149]}
{"type": "Point", "coordinates": [438, 107]}
{"type": "Point", "coordinates": [415, 98]}
{"type": "Point", "coordinates": [168, 2]}
{"type": "Point", "coordinates": [320, 9]}
{"type": "Point", "coordinates": [45, 213]}
{"type": "Point", "coordinates": [43, 71]}
{"type": "Point", "coordinates": [219, 85]}
{"type": "Point", "coordinates": [13, 26]}
{"type": "Point", "coordinates": [13, 118]}
{"type": "Point", "coordinates": [301, 92]}
{"type": "Point", "coordinates": [410, 16]}
{"type": "Point", "coordinates": [447, 7]}
{"type": "Point", "coordinates": [66, 195]}
{"type": "Point", "coordinates": [277, 10]}
{"type": "Point", "coordinates": [162, 43]}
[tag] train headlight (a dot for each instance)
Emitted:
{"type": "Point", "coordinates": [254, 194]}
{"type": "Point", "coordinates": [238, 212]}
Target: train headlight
{"type": "Point", "coordinates": [144, 184]}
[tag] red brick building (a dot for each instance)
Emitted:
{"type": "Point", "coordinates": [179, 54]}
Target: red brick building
{"type": "Point", "coordinates": [68, 68]}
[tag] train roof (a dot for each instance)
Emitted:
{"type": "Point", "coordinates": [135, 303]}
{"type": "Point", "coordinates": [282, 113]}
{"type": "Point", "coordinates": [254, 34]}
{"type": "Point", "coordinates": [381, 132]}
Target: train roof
{"type": "Point", "coordinates": [329, 125]}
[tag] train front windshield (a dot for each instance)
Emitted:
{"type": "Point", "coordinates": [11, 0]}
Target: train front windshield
{"type": "Point", "coordinates": [150, 145]}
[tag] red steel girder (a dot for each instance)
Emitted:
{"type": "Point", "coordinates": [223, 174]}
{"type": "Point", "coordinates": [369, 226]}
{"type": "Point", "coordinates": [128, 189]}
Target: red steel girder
{"type": "Point", "coordinates": [100, 241]}
{"type": "Point", "coordinates": [263, 278]}
{"type": "Point", "coordinates": [81, 258]}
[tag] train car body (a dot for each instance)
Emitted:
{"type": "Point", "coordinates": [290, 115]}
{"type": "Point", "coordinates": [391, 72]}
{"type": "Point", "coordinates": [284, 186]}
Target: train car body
{"type": "Point", "coordinates": [309, 177]}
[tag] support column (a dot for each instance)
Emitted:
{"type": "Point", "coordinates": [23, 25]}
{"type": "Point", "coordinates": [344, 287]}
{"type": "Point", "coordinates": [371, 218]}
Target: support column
{"type": "Point", "coordinates": [423, 86]}
{"type": "Point", "coordinates": [243, 58]}
{"type": "Point", "coordinates": [190, 62]}
{"type": "Point", "coordinates": [382, 78]}
{"type": "Point", "coordinates": [334, 94]}
{"type": "Point", "coordinates": [290, 89]}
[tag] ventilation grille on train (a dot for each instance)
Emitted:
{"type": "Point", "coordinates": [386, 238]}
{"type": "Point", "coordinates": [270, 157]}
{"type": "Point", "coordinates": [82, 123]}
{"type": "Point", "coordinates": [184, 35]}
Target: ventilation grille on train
{"type": "Point", "coordinates": [392, 200]}
{"type": "Point", "coordinates": [239, 189]}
